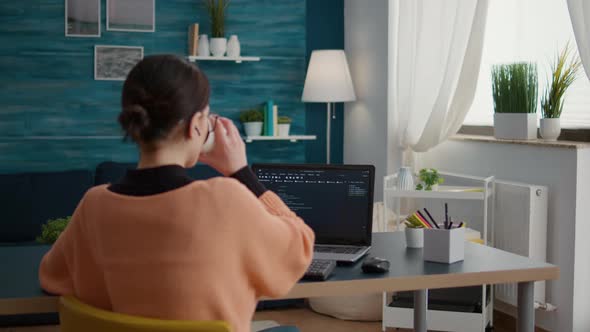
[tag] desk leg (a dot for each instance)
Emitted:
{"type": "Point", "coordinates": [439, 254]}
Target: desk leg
{"type": "Point", "coordinates": [526, 307]}
{"type": "Point", "coordinates": [420, 308]}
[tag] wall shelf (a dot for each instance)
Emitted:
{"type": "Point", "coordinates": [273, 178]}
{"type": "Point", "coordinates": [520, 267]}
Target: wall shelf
{"type": "Point", "coordinates": [443, 192]}
{"type": "Point", "coordinates": [240, 59]}
{"type": "Point", "coordinates": [293, 138]}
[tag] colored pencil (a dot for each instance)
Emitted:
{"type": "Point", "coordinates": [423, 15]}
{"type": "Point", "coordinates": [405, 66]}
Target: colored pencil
{"type": "Point", "coordinates": [424, 218]}
{"type": "Point", "coordinates": [432, 219]}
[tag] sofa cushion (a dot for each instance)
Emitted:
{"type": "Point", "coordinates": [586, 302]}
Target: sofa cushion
{"type": "Point", "coordinates": [57, 194]}
{"type": "Point", "coordinates": [29, 200]}
{"type": "Point", "coordinates": [15, 195]}
{"type": "Point", "coordinates": [111, 172]}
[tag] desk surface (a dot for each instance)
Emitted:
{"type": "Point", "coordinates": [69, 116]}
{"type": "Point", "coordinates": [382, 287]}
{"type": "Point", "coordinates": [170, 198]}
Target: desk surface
{"type": "Point", "coordinates": [20, 292]}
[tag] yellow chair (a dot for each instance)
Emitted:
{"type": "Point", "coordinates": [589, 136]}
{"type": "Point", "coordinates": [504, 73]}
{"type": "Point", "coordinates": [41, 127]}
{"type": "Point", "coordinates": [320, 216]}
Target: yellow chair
{"type": "Point", "coordinates": [76, 316]}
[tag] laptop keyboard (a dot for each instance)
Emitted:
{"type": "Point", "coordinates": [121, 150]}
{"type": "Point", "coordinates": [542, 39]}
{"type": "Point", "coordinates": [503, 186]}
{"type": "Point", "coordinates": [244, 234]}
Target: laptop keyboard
{"type": "Point", "coordinates": [337, 250]}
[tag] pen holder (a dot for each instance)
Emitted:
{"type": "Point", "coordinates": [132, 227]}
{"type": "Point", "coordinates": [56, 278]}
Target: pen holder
{"type": "Point", "coordinates": [414, 237]}
{"type": "Point", "coordinates": [444, 245]}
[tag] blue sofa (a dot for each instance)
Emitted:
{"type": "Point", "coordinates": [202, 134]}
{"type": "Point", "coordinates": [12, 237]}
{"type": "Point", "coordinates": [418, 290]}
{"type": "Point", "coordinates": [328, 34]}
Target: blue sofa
{"type": "Point", "coordinates": [30, 199]}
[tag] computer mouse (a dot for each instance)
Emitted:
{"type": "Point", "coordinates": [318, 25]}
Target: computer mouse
{"type": "Point", "coordinates": [375, 265]}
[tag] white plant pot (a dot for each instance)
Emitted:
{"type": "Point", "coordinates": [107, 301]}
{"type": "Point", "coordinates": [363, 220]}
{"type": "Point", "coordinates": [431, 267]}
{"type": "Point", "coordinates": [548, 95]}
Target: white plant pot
{"type": "Point", "coordinates": [203, 48]}
{"type": "Point", "coordinates": [233, 47]}
{"type": "Point", "coordinates": [414, 237]}
{"type": "Point", "coordinates": [284, 129]}
{"type": "Point", "coordinates": [550, 129]}
{"type": "Point", "coordinates": [218, 46]}
{"type": "Point", "coordinates": [405, 179]}
{"type": "Point", "coordinates": [517, 126]}
{"type": "Point", "coordinates": [253, 128]}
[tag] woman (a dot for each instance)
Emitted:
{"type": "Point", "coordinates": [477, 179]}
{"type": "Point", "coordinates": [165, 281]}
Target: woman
{"type": "Point", "coordinates": [158, 244]}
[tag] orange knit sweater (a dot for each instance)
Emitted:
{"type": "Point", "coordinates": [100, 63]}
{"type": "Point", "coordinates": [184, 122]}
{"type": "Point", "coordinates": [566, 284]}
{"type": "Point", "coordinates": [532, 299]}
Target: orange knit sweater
{"type": "Point", "coordinates": [205, 251]}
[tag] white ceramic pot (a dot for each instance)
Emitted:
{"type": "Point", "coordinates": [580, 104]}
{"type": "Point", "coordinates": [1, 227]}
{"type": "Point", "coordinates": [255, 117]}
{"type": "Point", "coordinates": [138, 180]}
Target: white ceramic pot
{"type": "Point", "coordinates": [517, 126]}
{"type": "Point", "coordinates": [253, 128]}
{"type": "Point", "coordinates": [203, 48]}
{"type": "Point", "coordinates": [284, 129]}
{"type": "Point", "coordinates": [233, 47]}
{"type": "Point", "coordinates": [550, 129]}
{"type": "Point", "coordinates": [414, 237]}
{"type": "Point", "coordinates": [405, 179]}
{"type": "Point", "coordinates": [218, 46]}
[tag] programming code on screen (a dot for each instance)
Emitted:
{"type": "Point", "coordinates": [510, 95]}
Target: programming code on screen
{"type": "Point", "coordinates": [334, 203]}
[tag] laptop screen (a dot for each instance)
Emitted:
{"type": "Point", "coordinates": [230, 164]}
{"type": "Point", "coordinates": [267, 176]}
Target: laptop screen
{"type": "Point", "coordinates": [335, 201]}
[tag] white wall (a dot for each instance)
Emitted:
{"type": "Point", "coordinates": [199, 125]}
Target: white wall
{"type": "Point", "coordinates": [582, 258]}
{"type": "Point", "coordinates": [566, 173]}
{"type": "Point", "coordinates": [365, 121]}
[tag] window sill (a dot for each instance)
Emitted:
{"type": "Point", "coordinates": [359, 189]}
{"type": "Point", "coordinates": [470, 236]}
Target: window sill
{"type": "Point", "coordinates": [537, 142]}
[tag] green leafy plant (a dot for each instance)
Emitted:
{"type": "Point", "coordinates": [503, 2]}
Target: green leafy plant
{"type": "Point", "coordinates": [216, 10]}
{"type": "Point", "coordinates": [564, 71]}
{"type": "Point", "coordinates": [429, 177]}
{"type": "Point", "coordinates": [251, 115]}
{"type": "Point", "coordinates": [514, 88]}
{"type": "Point", "coordinates": [413, 222]}
{"type": "Point", "coordinates": [284, 120]}
{"type": "Point", "coordinates": [52, 229]}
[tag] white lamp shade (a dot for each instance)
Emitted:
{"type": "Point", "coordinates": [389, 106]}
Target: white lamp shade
{"type": "Point", "coordinates": [328, 78]}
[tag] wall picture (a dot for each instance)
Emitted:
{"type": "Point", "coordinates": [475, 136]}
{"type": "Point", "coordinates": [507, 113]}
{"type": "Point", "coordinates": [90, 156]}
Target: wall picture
{"type": "Point", "coordinates": [113, 63]}
{"type": "Point", "coordinates": [131, 15]}
{"type": "Point", "coordinates": [82, 18]}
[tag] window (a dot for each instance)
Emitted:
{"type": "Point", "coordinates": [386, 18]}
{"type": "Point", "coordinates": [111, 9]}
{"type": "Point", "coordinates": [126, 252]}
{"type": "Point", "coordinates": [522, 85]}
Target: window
{"type": "Point", "coordinates": [528, 30]}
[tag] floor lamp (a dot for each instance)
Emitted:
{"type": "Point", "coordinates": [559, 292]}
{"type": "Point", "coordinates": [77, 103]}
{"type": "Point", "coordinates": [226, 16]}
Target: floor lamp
{"type": "Point", "coordinates": [328, 81]}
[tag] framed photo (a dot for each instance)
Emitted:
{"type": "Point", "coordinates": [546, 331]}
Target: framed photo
{"type": "Point", "coordinates": [82, 18]}
{"type": "Point", "coordinates": [131, 15]}
{"type": "Point", "coordinates": [113, 63]}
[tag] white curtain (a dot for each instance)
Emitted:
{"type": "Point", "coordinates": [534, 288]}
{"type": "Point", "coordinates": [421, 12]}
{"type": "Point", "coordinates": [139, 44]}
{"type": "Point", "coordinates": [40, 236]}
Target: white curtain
{"type": "Point", "coordinates": [580, 15]}
{"type": "Point", "coordinates": [435, 54]}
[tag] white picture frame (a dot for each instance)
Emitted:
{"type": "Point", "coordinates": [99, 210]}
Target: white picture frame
{"type": "Point", "coordinates": [131, 15]}
{"type": "Point", "coordinates": [82, 18]}
{"type": "Point", "coordinates": [113, 62]}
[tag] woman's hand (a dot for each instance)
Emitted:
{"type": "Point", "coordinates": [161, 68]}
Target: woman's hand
{"type": "Point", "coordinates": [229, 153]}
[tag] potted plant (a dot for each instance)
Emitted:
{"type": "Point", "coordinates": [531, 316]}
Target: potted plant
{"type": "Point", "coordinates": [52, 229]}
{"type": "Point", "coordinates": [514, 90]}
{"type": "Point", "coordinates": [414, 233]}
{"type": "Point", "coordinates": [564, 71]}
{"type": "Point", "coordinates": [429, 179]}
{"type": "Point", "coordinates": [284, 125]}
{"type": "Point", "coordinates": [252, 120]}
{"type": "Point", "coordinates": [216, 10]}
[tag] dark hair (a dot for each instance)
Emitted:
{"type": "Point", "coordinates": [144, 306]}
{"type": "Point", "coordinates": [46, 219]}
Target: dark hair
{"type": "Point", "coordinates": [160, 92]}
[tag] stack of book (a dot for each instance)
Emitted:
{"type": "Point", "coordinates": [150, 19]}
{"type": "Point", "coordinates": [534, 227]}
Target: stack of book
{"type": "Point", "coordinates": [271, 118]}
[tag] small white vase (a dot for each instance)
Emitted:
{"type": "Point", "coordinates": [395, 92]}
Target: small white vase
{"type": "Point", "coordinates": [550, 129]}
{"type": "Point", "coordinates": [233, 47]}
{"type": "Point", "coordinates": [203, 49]}
{"type": "Point", "coordinates": [284, 129]}
{"type": "Point", "coordinates": [405, 179]}
{"type": "Point", "coordinates": [414, 237]}
{"type": "Point", "coordinates": [218, 46]}
{"type": "Point", "coordinates": [253, 128]}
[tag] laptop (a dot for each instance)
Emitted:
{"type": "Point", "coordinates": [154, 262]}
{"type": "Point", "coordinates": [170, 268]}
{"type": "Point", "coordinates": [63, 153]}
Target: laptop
{"type": "Point", "coordinates": [336, 201]}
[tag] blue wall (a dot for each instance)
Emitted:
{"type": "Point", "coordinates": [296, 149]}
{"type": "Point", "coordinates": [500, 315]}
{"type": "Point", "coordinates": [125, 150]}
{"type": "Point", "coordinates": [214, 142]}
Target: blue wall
{"type": "Point", "coordinates": [54, 115]}
{"type": "Point", "coordinates": [325, 30]}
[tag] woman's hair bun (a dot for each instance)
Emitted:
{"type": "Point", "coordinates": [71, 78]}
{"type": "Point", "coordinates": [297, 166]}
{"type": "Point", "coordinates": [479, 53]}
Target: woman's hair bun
{"type": "Point", "coordinates": [135, 120]}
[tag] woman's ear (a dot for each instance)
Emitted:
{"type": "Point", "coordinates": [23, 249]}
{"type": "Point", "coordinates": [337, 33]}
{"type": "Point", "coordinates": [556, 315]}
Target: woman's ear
{"type": "Point", "coordinates": [198, 125]}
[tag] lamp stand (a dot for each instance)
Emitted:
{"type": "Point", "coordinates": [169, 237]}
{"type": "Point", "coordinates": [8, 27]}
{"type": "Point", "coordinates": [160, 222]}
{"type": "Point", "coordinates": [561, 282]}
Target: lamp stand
{"type": "Point", "coordinates": [328, 134]}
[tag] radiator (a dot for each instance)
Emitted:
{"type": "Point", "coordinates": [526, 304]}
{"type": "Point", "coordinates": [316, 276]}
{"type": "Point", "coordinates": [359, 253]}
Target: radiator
{"type": "Point", "coordinates": [521, 228]}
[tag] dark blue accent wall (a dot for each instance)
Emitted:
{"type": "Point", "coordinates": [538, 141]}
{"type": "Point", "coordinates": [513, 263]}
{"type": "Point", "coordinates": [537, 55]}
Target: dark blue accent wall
{"type": "Point", "coordinates": [55, 116]}
{"type": "Point", "coordinates": [325, 30]}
